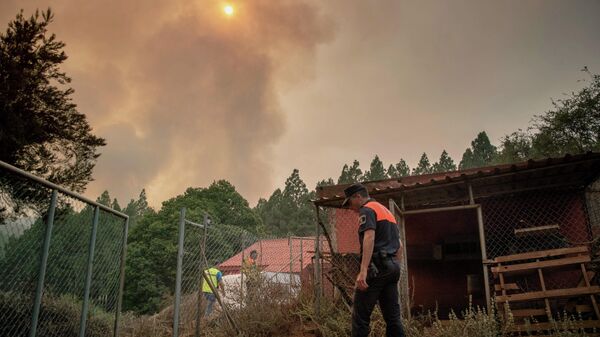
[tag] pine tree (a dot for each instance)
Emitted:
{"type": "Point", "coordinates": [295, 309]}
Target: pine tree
{"type": "Point", "coordinates": [481, 153]}
{"type": "Point", "coordinates": [104, 199]}
{"type": "Point", "coordinates": [402, 169]}
{"type": "Point", "coordinates": [41, 130]}
{"type": "Point", "coordinates": [295, 189]}
{"type": "Point", "coordinates": [351, 174]}
{"type": "Point", "coordinates": [445, 164]}
{"type": "Point", "coordinates": [423, 167]}
{"type": "Point", "coordinates": [392, 172]}
{"type": "Point", "coordinates": [467, 160]}
{"type": "Point", "coordinates": [136, 209]}
{"type": "Point", "coordinates": [115, 205]}
{"type": "Point", "coordinates": [376, 170]}
{"type": "Point", "coordinates": [288, 211]}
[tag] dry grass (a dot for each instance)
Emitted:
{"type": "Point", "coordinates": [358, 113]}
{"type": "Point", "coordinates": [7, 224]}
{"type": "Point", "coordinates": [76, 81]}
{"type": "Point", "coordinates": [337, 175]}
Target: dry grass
{"type": "Point", "coordinates": [272, 313]}
{"type": "Point", "coordinates": [269, 311]}
{"type": "Point", "coordinates": [334, 321]}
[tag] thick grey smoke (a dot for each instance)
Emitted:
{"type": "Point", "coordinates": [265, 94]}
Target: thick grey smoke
{"type": "Point", "coordinates": [183, 94]}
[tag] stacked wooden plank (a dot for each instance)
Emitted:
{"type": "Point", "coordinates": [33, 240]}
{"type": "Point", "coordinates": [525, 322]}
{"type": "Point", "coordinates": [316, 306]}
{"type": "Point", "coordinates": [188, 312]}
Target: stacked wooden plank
{"type": "Point", "coordinates": [509, 270]}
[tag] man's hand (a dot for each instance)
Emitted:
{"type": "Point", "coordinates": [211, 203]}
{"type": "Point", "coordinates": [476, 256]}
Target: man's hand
{"type": "Point", "coordinates": [361, 280]}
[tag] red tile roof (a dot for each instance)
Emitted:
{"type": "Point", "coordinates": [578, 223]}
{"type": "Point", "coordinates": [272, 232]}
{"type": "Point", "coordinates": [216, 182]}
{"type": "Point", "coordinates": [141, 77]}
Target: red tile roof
{"type": "Point", "coordinates": [274, 255]}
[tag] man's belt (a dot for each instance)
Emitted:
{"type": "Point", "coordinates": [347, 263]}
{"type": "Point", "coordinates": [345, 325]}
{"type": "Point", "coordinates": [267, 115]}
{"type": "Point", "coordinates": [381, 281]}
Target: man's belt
{"type": "Point", "coordinates": [382, 255]}
{"type": "Point", "coordinates": [380, 262]}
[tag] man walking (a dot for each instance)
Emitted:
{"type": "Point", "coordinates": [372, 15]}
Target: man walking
{"type": "Point", "coordinates": [377, 280]}
{"type": "Point", "coordinates": [216, 279]}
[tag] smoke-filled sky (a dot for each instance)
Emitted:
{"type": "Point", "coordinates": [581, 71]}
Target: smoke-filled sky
{"type": "Point", "coordinates": [185, 95]}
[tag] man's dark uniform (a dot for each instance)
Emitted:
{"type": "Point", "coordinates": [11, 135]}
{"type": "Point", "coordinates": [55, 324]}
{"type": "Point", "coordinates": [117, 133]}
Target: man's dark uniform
{"type": "Point", "coordinates": [383, 273]}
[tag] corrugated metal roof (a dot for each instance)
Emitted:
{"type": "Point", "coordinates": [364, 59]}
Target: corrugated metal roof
{"type": "Point", "coordinates": [570, 169]}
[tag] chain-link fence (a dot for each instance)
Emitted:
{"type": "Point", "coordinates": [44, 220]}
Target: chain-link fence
{"type": "Point", "coordinates": [246, 275]}
{"type": "Point", "coordinates": [341, 266]}
{"type": "Point", "coordinates": [445, 267]}
{"type": "Point", "coordinates": [61, 260]}
{"type": "Point", "coordinates": [592, 198]}
{"type": "Point", "coordinates": [536, 221]}
{"type": "Point", "coordinates": [341, 262]}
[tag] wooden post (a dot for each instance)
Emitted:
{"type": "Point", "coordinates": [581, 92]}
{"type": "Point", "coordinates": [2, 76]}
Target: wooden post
{"type": "Point", "coordinates": [592, 296]}
{"type": "Point", "coordinates": [403, 286]}
{"type": "Point", "coordinates": [543, 285]}
{"type": "Point", "coordinates": [486, 276]}
{"type": "Point", "coordinates": [503, 287]}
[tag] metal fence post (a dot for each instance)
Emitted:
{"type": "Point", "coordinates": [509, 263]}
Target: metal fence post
{"type": "Point", "coordinates": [486, 276]}
{"type": "Point", "coordinates": [301, 259]}
{"type": "Point", "coordinates": [242, 271]}
{"type": "Point", "coordinates": [318, 265]}
{"type": "Point", "coordinates": [43, 263]}
{"type": "Point", "coordinates": [202, 267]}
{"type": "Point", "coordinates": [121, 278]}
{"type": "Point", "coordinates": [291, 261]}
{"type": "Point", "coordinates": [88, 276]}
{"type": "Point", "coordinates": [178, 274]}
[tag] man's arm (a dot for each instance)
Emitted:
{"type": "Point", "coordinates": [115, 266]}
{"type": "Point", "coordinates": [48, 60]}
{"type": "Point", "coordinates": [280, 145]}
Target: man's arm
{"type": "Point", "coordinates": [368, 223]}
{"type": "Point", "coordinates": [367, 253]}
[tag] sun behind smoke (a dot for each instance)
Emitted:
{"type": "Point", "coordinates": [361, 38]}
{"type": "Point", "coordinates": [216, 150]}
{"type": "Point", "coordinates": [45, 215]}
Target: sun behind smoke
{"type": "Point", "coordinates": [229, 10]}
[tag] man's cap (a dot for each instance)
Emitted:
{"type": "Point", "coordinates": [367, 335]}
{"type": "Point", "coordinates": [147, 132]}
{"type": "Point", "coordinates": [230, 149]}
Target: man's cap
{"type": "Point", "coordinates": [351, 190]}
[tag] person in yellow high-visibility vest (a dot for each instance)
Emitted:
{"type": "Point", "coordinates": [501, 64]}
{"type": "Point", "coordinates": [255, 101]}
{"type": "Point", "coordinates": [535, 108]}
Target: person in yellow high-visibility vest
{"type": "Point", "coordinates": [216, 279]}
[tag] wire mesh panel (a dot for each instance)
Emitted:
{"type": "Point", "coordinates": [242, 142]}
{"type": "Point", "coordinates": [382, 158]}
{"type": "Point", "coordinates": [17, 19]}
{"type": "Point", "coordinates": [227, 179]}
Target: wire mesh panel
{"type": "Point", "coordinates": [22, 230]}
{"type": "Point", "coordinates": [60, 256]}
{"type": "Point", "coordinates": [544, 220]}
{"type": "Point", "coordinates": [592, 195]}
{"type": "Point", "coordinates": [259, 275]}
{"type": "Point", "coordinates": [104, 291]}
{"type": "Point", "coordinates": [516, 223]}
{"type": "Point", "coordinates": [66, 269]}
{"type": "Point", "coordinates": [192, 266]}
{"type": "Point", "coordinates": [535, 221]}
{"type": "Point", "coordinates": [341, 266]}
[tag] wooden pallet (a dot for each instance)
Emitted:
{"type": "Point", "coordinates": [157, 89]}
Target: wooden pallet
{"type": "Point", "coordinates": [537, 263]}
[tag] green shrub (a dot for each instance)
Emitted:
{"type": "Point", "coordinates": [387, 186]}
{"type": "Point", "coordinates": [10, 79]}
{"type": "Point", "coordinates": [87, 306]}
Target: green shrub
{"type": "Point", "coordinates": [59, 316]}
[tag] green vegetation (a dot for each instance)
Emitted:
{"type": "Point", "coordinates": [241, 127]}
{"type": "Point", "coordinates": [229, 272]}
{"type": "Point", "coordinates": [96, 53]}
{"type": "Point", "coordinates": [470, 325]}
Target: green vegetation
{"type": "Point", "coordinates": [60, 317]}
{"type": "Point", "coordinates": [152, 249]}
